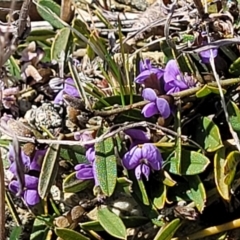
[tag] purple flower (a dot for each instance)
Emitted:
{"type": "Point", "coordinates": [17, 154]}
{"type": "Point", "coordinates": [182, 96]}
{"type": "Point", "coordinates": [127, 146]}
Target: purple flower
{"type": "Point", "coordinates": [206, 54]}
{"type": "Point", "coordinates": [84, 137]}
{"type": "Point", "coordinates": [147, 71]}
{"type": "Point", "coordinates": [174, 80]}
{"type": "Point", "coordinates": [68, 89]}
{"type": "Point", "coordinates": [137, 136]}
{"type": "Point", "coordinates": [33, 163]}
{"type": "Point", "coordinates": [143, 159]}
{"type": "Point", "coordinates": [87, 171]}
{"type": "Point", "coordinates": [30, 194]}
{"type": "Point", "coordinates": [157, 105]}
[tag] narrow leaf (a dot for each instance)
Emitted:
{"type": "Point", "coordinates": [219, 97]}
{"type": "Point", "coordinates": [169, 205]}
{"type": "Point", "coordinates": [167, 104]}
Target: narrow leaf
{"type": "Point", "coordinates": [219, 174]}
{"type": "Point", "coordinates": [68, 234]}
{"type": "Point", "coordinates": [106, 165]}
{"type": "Point", "coordinates": [168, 231]}
{"type": "Point", "coordinates": [48, 170]}
{"type": "Point", "coordinates": [111, 223]}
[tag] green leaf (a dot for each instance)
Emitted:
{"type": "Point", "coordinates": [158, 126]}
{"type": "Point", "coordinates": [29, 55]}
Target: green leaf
{"type": "Point", "coordinates": [167, 180]}
{"type": "Point", "coordinates": [41, 35]}
{"type": "Point", "coordinates": [230, 166]}
{"type": "Point", "coordinates": [106, 164]}
{"type": "Point", "coordinates": [129, 222]}
{"type": "Point", "coordinates": [234, 116]}
{"type": "Point", "coordinates": [198, 193]}
{"type": "Point", "coordinates": [73, 185]}
{"type": "Point", "coordinates": [111, 223]}
{"type": "Point", "coordinates": [60, 43]}
{"type": "Point", "coordinates": [235, 67]}
{"type": "Point", "coordinates": [219, 174]}
{"type": "Point", "coordinates": [15, 233]}
{"type": "Point", "coordinates": [168, 231]}
{"type": "Point", "coordinates": [206, 90]}
{"type": "Point", "coordinates": [208, 135]}
{"type": "Point", "coordinates": [47, 9]}
{"type": "Point", "coordinates": [49, 170]}
{"type": "Point", "coordinates": [40, 229]}
{"type": "Point", "coordinates": [159, 195]}
{"type": "Point", "coordinates": [68, 234]}
{"type": "Point", "coordinates": [193, 163]}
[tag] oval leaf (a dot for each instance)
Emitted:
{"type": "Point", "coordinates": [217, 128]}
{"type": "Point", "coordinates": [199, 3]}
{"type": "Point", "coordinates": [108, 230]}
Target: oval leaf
{"type": "Point", "coordinates": [198, 193]}
{"type": "Point", "coordinates": [230, 166]}
{"type": "Point", "coordinates": [40, 229]}
{"type": "Point", "coordinates": [219, 175]}
{"type": "Point", "coordinates": [208, 135]}
{"type": "Point", "coordinates": [47, 9]}
{"type": "Point", "coordinates": [193, 163]}
{"type": "Point", "coordinates": [68, 234]}
{"type": "Point", "coordinates": [49, 170]}
{"type": "Point", "coordinates": [60, 43]}
{"type": "Point", "coordinates": [234, 116]}
{"type": "Point", "coordinates": [159, 194]}
{"type": "Point", "coordinates": [106, 165]}
{"type": "Point", "coordinates": [167, 231]}
{"type": "Point", "coordinates": [111, 223]}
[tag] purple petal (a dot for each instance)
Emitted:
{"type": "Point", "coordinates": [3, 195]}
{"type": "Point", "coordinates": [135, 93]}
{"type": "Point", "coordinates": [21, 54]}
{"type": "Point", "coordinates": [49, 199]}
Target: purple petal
{"type": "Point", "coordinates": [153, 155]}
{"type": "Point", "coordinates": [83, 136]}
{"type": "Point", "coordinates": [150, 109]}
{"type": "Point", "coordinates": [14, 186]}
{"type": "Point", "coordinates": [70, 89]}
{"type": "Point", "coordinates": [59, 98]}
{"type": "Point", "coordinates": [145, 64]}
{"type": "Point", "coordinates": [90, 154]}
{"type": "Point", "coordinates": [138, 172]}
{"type": "Point", "coordinates": [11, 154]}
{"type": "Point", "coordinates": [205, 55]}
{"type": "Point", "coordinates": [31, 182]}
{"type": "Point", "coordinates": [37, 160]}
{"type": "Point", "coordinates": [149, 94]}
{"type": "Point", "coordinates": [171, 71]}
{"type": "Point", "coordinates": [132, 158]}
{"type": "Point", "coordinates": [31, 197]}
{"type": "Point", "coordinates": [95, 174]}
{"type": "Point", "coordinates": [145, 171]}
{"type": "Point", "coordinates": [163, 107]}
{"type": "Point", "coordinates": [147, 73]}
{"type": "Point", "coordinates": [82, 166]}
{"type": "Point", "coordinates": [137, 134]}
{"type": "Point", "coordinates": [175, 86]}
{"type": "Point", "coordinates": [85, 173]}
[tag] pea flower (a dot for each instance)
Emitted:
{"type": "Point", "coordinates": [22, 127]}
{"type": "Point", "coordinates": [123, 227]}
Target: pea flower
{"type": "Point", "coordinates": [157, 105]}
{"type": "Point", "coordinates": [206, 54]}
{"type": "Point", "coordinates": [30, 163]}
{"type": "Point", "coordinates": [147, 71]}
{"type": "Point", "coordinates": [174, 80]}
{"type": "Point", "coordinates": [137, 136]}
{"type": "Point", "coordinates": [68, 89]}
{"type": "Point", "coordinates": [143, 159]}
{"type": "Point", "coordinates": [30, 193]}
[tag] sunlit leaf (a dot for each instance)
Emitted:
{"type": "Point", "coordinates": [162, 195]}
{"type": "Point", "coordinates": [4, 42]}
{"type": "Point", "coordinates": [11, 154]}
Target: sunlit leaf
{"type": "Point", "coordinates": [60, 43]}
{"type": "Point", "coordinates": [234, 116]}
{"type": "Point", "coordinates": [47, 9]}
{"type": "Point", "coordinates": [219, 174]}
{"type": "Point", "coordinates": [49, 170]}
{"type": "Point", "coordinates": [208, 135]}
{"type": "Point", "coordinates": [206, 90]}
{"type": "Point", "coordinates": [230, 166]}
{"type": "Point", "coordinates": [15, 233]}
{"type": "Point", "coordinates": [111, 223]}
{"type": "Point", "coordinates": [106, 164]}
{"type": "Point", "coordinates": [168, 231]}
{"type": "Point", "coordinates": [194, 163]}
{"type": "Point", "coordinates": [159, 195]}
{"type": "Point", "coordinates": [69, 234]}
{"type": "Point", "coordinates": [167, 180]}
{"type": "Point", "coordinates": [198, 193]}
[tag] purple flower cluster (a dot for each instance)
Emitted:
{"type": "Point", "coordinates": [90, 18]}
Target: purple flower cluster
{"type": "Point", "coordinates": [30, 193]}
{"type": "Point", "coordinates": [143, 156]}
